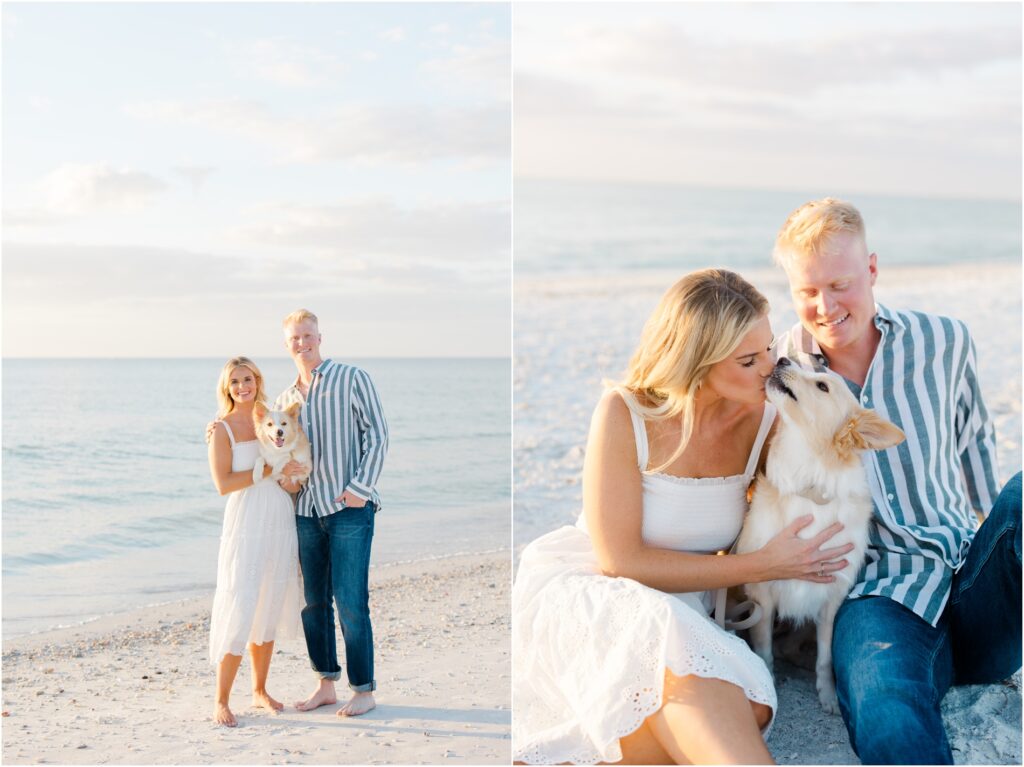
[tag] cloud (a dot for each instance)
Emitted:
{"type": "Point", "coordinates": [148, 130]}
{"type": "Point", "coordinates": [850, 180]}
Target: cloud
{"type": "Point", "coordinates": [371, 235]}
{"type": "Point", "coordinates": [74, 189]}
{"type": "Point", "coordinates": [64, 273]}
{"type": "Point", "coordinates": [666, 52]}
{"type": "Point", "coordinates": [61, 300]}
{"type": "Point", "coordinates": [283, 63]}
{"type": "Point", "coordinates": [386, 134]}
{"type": "Point", "coordinates": [393, 35]}
{"type": "Point", "coordinates": [196, 175]}
{"type": "Point", "coordinates": [490, 63]}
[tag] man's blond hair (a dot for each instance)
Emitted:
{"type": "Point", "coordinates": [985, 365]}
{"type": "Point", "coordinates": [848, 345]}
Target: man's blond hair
{"type": "Point", "coordinates": [812, 225]}
{"type": "Point", "coordinates": [300, 315]}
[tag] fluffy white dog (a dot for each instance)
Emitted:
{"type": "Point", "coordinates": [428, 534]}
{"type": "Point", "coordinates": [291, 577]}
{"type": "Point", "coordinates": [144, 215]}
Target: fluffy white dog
{"type": "Point", "coordinates": [281, 440]}
{"type": "Point", "coordinates": [813, 467]}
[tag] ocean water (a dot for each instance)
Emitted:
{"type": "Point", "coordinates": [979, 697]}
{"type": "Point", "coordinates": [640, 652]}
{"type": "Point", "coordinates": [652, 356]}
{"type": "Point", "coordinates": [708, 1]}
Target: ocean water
{"type": "Point", "coordinates": [564, 228]}
{"type": "Point", "coordinates": [108, 502]}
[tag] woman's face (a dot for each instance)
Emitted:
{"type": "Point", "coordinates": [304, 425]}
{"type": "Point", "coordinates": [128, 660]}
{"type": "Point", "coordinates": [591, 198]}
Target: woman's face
{"type": "Point", "coordinates": [242, 385]}
{"type": "Point", "coordinates": [742, 375]}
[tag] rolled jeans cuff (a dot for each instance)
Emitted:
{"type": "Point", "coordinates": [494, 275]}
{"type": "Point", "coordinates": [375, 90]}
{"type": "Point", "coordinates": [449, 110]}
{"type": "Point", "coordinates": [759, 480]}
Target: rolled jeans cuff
{"type": "Point", "coordinates": [333, 676]}
{"type": "Point", "coordinates": [369, 687]}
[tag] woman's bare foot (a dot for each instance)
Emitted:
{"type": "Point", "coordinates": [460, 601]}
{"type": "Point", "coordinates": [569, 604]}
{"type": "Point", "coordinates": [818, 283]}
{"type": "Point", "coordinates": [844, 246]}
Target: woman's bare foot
{"type": "Point", "coordinates": [262, 699]}
{"type": "Point", "coordinates": [361, 703]}
{"type": "Point", "coordinates": [324, 696]}
{"type": "Point", "coordinates": [222, 715]}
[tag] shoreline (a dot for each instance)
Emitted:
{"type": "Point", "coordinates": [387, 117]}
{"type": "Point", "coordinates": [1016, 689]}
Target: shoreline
{"type": "Point", "coordinates": [137, 687]}
{"type": "Point", "coordinates": [116, 616]}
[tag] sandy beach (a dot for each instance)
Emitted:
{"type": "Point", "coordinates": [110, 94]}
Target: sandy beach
{"type": "Point", "coordinates": [137, 688]}
{"type": "Point", "coordinates": [572, 332]}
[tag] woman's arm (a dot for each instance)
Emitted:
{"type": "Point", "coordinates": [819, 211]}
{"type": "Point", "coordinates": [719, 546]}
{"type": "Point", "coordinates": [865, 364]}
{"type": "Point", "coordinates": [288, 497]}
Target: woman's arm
{"type": "Point", "coordinates": [612, 501]}
{"type": "Point", "coordinates": [219, 453]}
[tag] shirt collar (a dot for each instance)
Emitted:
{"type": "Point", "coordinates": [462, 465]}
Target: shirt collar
{"type": "Point", "coordinates": [319, 370]}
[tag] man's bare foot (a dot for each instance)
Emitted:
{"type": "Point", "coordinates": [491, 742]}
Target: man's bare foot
{"type": "Point", "coordinates": [361, 703]}
{"type": "Point", "coordinates": [324, 696]}
{"type": "Point", "coordinates": [222, 715]}
{"type": "Point", "coordinates": [262, 699]}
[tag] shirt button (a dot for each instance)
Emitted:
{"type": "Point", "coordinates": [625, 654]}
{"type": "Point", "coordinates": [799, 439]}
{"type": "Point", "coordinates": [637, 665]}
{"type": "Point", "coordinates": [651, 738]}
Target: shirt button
{"type": "Point", "coordinates": [890, 496]}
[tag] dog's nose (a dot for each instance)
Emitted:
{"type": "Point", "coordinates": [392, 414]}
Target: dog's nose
{"type": "Point", "coordinates": [783, 362]}
{"type": "Point", "coordinates": [280, 432]}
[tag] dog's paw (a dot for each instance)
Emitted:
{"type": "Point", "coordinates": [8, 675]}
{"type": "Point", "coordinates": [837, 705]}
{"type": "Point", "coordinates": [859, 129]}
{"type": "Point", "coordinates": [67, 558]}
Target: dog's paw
{"type": "Point", "coordinates": [257, 470]}
{"type": "Point", "coordinates": [828, 699]}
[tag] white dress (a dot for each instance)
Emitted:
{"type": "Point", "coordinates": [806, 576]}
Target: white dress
{"type": "Point", "coordinates": [590, 651]}
{"type": "Point", "coordinates": [258, 597]}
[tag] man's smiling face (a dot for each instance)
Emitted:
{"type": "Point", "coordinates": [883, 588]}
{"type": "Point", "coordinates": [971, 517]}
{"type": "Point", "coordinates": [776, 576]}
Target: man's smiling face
{"type": "Point", "coordinates": [302, 340]}
{"type": "Point", "coordinates": [832, 291]}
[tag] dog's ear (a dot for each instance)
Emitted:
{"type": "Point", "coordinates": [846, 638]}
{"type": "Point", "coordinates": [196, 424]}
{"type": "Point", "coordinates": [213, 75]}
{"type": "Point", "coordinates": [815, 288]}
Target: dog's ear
{"type": "Point", "coordinates": [867, 431]}
{"type": "Point", "coordinates": [258, 411]}
{"type": "Point", "coordinates": [293, 409]}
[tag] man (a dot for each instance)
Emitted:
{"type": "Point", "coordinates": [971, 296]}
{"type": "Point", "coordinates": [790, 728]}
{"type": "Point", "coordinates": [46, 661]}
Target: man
{"type": "Point", "coordinates": [938, 601]}
{"type": "Point", "coordinates": [342, 416]}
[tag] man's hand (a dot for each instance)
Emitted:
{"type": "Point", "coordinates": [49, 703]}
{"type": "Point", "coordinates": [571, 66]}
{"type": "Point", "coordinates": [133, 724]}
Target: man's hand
{"type": "Point", "coordinates": [351, 500]}
{"type": "Point", "coordinates": [293, 469]}
{"type": "Point", "coordinates": [210, 427]}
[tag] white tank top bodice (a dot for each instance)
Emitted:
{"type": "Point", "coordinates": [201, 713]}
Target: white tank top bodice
{"type": "Point", "coordinates": [701, 515]}
{"type": "Point", "coordinates": [243, 454]}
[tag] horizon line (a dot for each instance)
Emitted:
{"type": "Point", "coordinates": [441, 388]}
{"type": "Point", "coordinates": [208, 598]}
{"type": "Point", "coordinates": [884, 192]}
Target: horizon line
{"type": "Point", "coordinates": [733, 188]}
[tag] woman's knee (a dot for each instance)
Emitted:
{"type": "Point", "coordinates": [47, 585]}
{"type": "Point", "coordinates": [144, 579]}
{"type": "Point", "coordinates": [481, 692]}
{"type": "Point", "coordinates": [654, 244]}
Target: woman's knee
{"type": "Point", "coordinates": [762, 714]}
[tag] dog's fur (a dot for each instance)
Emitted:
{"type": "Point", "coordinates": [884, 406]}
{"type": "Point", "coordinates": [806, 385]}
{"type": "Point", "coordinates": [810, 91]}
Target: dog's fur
{"type": "Point", "coordinates": [281, 440]}
{"type": "Point", "coordinates": [813, 467]}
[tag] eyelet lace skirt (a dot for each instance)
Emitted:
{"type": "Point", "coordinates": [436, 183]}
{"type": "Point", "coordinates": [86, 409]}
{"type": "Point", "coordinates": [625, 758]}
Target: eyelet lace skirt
{"type": "Point", "coordinates": [590, 653]}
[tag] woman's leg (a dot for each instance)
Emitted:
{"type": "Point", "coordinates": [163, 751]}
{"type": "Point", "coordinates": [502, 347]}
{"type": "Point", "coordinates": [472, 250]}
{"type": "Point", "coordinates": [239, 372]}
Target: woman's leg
{"type": "Point", "coordinates": [261, 654]}
{"type": "Point", "coordinates": [226, 671]}
{"type": "Point", "coordinates": [701, 721]}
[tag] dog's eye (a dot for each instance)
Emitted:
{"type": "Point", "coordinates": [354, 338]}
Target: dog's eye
{"type": "Point", "coordinates": [823, 386]}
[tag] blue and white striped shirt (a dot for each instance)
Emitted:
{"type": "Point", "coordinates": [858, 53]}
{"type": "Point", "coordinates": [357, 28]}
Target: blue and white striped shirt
{"type": "Point", "coordinates": [929, 490]}
{"type": "Point", "coordinates": [344, 421]}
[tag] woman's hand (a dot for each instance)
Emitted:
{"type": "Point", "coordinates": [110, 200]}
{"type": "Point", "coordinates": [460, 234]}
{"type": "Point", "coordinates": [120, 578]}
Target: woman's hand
{"type": "Point", "coordinates": [289, 485]}
{"type": "Point", "coordinates": [787, 555]}
{"type": "Point", "coordinates": [293, 469]}
{"type": "Point", "coordinates": [210, 427]}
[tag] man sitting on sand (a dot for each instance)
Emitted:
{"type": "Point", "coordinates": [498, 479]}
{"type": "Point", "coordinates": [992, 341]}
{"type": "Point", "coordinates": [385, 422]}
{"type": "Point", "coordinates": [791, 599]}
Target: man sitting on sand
{"type": "Point", "coordinates": [342, 416]}
{"type": "Point", "coordinates": [939, 599]}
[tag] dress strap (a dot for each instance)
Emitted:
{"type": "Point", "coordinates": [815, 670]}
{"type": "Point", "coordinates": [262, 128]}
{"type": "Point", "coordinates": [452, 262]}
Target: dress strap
{"type": "Point", "coordinates": [639, 430]}
{"type": "Point", "coordinates": [767, 419]}
{"type": "Point", "coordinates": [231, 434]}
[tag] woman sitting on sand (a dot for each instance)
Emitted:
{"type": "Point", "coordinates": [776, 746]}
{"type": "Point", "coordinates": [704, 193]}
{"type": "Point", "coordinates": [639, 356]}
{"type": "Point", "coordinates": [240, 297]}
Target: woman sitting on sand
{"type": "Point", "coordinates": [257, 598]}
{"type": "Point", "coordinates": [617, 659]}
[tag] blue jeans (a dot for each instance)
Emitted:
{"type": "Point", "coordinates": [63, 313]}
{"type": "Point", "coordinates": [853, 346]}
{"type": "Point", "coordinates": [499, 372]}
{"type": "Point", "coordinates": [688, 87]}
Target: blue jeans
{"type": "Point", "coordinates": [334, 553]}
{"type": "Point", "coordinates": [893, 668]}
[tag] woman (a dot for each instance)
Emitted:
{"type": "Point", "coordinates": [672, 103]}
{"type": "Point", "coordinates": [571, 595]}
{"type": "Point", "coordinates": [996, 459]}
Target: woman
{"type": "Point", "coordinates": [257, 596]}
{"type": "Point", "coordinates": [616, 657]}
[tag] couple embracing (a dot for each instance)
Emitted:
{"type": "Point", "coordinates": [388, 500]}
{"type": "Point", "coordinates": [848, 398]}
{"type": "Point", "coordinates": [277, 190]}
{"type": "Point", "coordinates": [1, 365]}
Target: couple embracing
{"type": "Point", "coordinates": [275, 525]}
{"type": "Point", "coordinates": [617, 657]}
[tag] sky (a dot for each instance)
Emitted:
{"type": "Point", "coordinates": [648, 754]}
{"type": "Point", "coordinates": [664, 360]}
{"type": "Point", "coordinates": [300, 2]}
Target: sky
{"type": "Point", "coordinates": [178, 177]}
{"type": "Point", "coordinates": [906, 99]}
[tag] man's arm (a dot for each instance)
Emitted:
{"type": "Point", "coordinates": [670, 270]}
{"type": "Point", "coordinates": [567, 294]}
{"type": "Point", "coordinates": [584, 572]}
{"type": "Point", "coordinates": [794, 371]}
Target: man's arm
{"type": "Point", "coordinates": [374, 430]}
{"type": "Point", "coordinates": [976, 439]}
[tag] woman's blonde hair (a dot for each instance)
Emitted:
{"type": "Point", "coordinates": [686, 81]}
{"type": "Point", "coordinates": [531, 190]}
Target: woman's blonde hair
{"type": "Point", "coordinates": [698, 322]}
{"type": "Point", "coordinates": [225, 404]}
